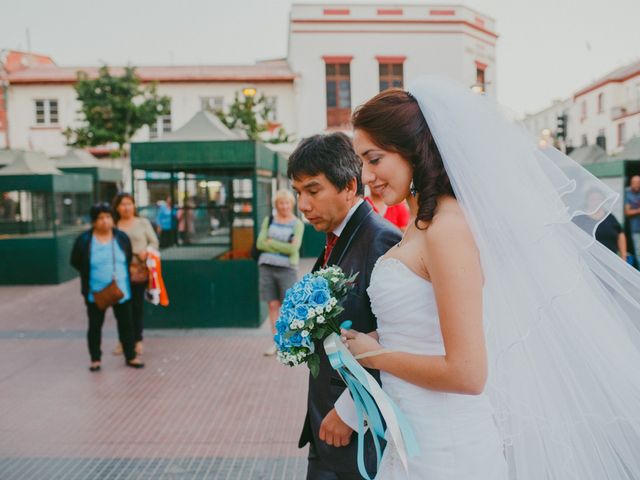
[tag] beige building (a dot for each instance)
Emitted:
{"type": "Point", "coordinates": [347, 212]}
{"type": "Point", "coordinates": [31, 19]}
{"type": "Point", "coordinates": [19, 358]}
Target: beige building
{"type": "Point", "coordinates": [605, 112]}
{"type": "Point", "coordinates": [42, 101]}
{"type": "Point", "coordinates": [344, 54]}
{"type": "Point", "coordinates": [339, 56]}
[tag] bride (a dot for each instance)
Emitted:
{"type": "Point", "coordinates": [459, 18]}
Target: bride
{"type": "Point", "coordinates": [508, 336]}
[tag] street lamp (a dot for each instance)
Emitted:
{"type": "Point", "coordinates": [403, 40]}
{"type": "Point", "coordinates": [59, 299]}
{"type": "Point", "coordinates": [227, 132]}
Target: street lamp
{"type": "Point", "coordinates": [249, 92]}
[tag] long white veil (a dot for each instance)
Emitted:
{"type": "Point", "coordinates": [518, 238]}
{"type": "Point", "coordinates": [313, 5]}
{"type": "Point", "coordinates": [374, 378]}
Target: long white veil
{"type": "Point", "coordinates": [562, 312]}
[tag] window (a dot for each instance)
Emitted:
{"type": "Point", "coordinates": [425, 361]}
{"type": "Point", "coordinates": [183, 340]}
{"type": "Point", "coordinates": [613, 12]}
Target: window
{"type": "Point", "coordinates": [583, 115]}
{"type": "Point", "coordinates": [600, 102]}
{"type": "Point", "coordinates": [338, 80]}
{"type": "Point", "coordinates": [621, 134]}
{"type": "Point", "coordinates": [272, 104]}
{"type": "Point", "coordinates": [46, 112]}
{"type": "Point", "coordinates": [391, 75]}
{"type": "Point", "coordinates": [601, 139]}
{"type": "Point", "coordinates": [481, 79]}
{"type": "Point", "coordinates": [161, 125]}
{"type": "Point", "coordinates": [212, 104]}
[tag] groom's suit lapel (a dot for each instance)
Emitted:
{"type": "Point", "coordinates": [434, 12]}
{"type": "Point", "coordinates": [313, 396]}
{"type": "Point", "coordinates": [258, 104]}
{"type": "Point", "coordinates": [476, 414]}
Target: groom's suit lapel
{"type": "Point", "coordinates": [348, 234]}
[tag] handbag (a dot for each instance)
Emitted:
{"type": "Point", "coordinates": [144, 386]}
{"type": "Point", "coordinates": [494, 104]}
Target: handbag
{"type": "Point", "coordinates": [111, 294]}
{"type": "Point", "coordinates": [138, 271]}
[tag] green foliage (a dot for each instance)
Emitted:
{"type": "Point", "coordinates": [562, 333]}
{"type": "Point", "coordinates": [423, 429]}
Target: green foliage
{"type": "Point", "coordinates": [114, 108]}
{"type": "Point", "coordinates": [252, 115]}
{"type": "Point", "coordinates": [313, 362]}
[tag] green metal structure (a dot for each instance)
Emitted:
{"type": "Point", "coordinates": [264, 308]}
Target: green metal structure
{"type": "Point", "coordinates": [42, 211]}
{"type": "Point", "coordinates": [217, 187]}
{"type": "Point", "coordinates": [106, 180]}
{"type": "Point", "coordinates": [616, 171]}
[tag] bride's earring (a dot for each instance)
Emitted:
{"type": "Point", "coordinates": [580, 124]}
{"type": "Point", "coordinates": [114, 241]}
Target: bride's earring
{"type": "Point", "coordinates": [412, 189]}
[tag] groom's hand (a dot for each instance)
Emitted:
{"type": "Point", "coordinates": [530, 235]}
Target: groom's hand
{"type": "Point", "coordinates": [334, 431]}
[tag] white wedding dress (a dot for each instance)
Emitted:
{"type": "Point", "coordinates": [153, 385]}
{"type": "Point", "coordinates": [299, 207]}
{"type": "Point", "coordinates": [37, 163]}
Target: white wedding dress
{"type": "Point", "coordinates": [561, 314]}
{"type": "Point", "coordinates": [457, 434]}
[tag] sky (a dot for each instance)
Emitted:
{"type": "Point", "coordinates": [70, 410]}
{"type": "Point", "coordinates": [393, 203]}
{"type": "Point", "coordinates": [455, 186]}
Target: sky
{"type": "Point", "coordinates": [547, 49]}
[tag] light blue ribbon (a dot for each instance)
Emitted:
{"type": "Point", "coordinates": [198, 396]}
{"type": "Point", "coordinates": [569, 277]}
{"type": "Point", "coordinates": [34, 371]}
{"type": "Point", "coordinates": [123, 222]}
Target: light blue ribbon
{"type": "Point", "coordinates": [355, 376]}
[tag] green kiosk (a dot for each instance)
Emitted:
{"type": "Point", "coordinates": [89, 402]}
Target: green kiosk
{"type": "Point", "coordinates": [615, 171]}
{"type": "Point", "coordinates": [106, 180]}
{"type": "Point", "coordinates": [206, 188]}
{"type": "Point", "coordinates": [42, 210]}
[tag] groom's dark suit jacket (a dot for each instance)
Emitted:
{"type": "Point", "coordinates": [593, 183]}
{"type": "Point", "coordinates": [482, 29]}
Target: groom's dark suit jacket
{"type": "Point", "coordinates": [365, 238]}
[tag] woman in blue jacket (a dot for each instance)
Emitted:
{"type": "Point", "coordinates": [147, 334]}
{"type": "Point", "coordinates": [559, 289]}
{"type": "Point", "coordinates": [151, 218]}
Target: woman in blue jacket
{"type": "Point", "coordinates": [99, 254]}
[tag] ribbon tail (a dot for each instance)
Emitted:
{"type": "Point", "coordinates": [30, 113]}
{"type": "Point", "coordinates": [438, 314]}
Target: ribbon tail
{"type": "Point", "coordinates": [373, 404]}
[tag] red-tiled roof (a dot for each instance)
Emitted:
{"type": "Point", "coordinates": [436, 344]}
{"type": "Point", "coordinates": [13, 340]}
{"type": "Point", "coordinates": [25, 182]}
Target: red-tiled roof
{"type": "Point", "coordinates": [619, 75]}
{"type": "Point", "coordinates": [14, 60]}
{"type": "Point", "coordinates": [274, 71]}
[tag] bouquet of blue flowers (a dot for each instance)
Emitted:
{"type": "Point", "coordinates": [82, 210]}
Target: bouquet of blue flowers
{"type": "Point", "coordinates": [309, 312]}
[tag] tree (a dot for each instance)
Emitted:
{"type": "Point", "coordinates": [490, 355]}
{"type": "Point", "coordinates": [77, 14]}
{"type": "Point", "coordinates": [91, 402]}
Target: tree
{"type": "Point", "coordinates": [114, 108]}
{"type": "Point", "coordinates": [252, 116]}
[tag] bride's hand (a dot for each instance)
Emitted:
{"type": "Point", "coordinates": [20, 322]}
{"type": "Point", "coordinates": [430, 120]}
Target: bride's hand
{"type": "Point", "coordinates": [359, 343]}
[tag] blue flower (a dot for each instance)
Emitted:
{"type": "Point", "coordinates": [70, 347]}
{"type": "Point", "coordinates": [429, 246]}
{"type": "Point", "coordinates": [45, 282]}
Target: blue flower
{"type": "Point", "coordinates": [286, 314]}
{"type": "Point", "coordinates": [307, 342]}
{"type": "Point", "coordinates": [296, 340]}
{"type": "Point", "coordinates": [319, 298]}
{"type": "Point", "coordinates": [319, 283]}
{"type": "Point", "coordinates": [282, 326]}
{"type": "Point", "coordinates": [288, 301]}
{"type": "Point", "coordinates": [301, 293]}
{"type": "Point", "coordinates": [301, 312]}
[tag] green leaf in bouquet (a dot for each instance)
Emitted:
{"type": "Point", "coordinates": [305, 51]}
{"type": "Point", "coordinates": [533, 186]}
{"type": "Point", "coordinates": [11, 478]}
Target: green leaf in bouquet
{"type": "Point", "coordinates": [320, 333]}
{"type": "Point", "coordinates": [313, 362]}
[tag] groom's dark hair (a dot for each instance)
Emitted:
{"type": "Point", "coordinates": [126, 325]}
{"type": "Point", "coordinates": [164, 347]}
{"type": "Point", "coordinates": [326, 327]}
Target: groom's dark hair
{"type": "Point", "coordinates": [331, 154]}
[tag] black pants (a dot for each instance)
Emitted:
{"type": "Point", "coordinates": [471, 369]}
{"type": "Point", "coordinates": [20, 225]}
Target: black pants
{"type": "Point", "coordinates": [137, 309]}
{"type": "Point", "coordinates": [167, 238]}
{"type": "Point", "coordinates": [122, 312]}
{"type": "Point", "coordinates": [318, 470]}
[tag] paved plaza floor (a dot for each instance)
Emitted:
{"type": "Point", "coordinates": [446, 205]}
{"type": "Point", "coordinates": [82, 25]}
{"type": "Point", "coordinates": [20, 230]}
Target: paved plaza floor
{"type": "Point", "coordinates": [208, 405]}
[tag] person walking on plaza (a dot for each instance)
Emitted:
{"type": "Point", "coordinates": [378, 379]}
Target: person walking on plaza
{"type": "Point", "coordinates": [396, 214]}
{"type": "Point", "coordinates": [166, 223]}
{"type": "Point", "coordinates": [142, 237]}
{"type": "Point", "coordinates": [279, 246]}
{"type": "Point", "coordinates": [632, 212]}
{"type": "Point", "coordinates": [102, 256]}
{"type": "Point", "coordinates": [608, 230]}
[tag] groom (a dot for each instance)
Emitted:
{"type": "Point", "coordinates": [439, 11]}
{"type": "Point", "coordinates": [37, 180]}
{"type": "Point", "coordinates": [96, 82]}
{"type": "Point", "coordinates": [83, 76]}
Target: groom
{"type": "Point", "coordinates": [326, 175]}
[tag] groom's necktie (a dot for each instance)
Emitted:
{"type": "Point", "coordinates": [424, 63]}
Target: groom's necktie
{"type": "Point", "coordinates": [332, 238]}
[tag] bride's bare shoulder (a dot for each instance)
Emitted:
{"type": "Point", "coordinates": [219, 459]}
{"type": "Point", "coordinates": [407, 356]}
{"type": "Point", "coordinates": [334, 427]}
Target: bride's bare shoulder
{"type": "Point", "coordinates": [448, 228]}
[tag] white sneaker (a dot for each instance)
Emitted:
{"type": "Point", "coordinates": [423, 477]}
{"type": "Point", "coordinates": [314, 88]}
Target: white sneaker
{"type": "Point", "coordinates": [271, 351]}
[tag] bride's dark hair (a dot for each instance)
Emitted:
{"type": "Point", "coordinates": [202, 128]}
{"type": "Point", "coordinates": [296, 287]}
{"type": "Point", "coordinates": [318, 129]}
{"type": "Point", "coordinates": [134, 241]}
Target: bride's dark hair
{"type": "Point", "coordinates": [394, 122]}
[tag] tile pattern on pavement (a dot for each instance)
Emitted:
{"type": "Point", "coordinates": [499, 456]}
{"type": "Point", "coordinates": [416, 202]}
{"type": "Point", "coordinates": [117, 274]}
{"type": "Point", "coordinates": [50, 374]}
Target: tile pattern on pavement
{"type": "Point", "coordinates": [208, 405]}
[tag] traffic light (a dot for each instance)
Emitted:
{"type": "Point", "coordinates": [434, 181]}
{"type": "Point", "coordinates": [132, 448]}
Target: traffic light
{"type": "Point", "coordinates": [561, 126]}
